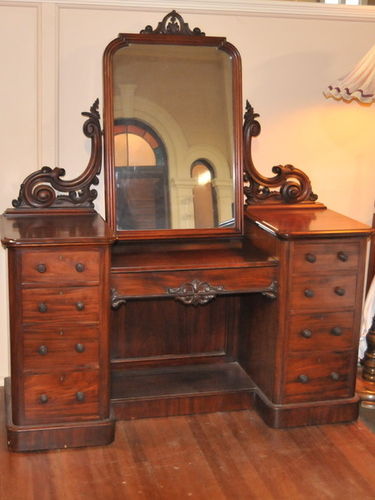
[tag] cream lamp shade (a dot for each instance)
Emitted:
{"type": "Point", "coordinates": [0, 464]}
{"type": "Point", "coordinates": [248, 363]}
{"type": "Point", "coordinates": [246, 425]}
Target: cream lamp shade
{"type": "Point", "coordinates": [358, 84]}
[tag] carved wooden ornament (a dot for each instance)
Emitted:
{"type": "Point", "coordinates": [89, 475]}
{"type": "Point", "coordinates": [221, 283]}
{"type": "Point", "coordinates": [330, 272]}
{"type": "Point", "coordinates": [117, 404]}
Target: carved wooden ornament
{"type": "Point", "coordinates": [195, 292]}
{"type": "Point", "coordinates": [44, 189]}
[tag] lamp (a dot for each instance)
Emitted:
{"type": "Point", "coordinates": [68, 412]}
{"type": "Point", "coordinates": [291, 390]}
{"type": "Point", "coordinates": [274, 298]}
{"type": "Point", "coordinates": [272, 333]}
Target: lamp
{"type": "Point", "coordinates": [359, 84]}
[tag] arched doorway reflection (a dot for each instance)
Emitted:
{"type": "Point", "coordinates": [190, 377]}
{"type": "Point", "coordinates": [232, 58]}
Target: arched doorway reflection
{"type": "Point", "coordinates": [204, 195]}
{"type": "Point", "coordinates": [141, 176]}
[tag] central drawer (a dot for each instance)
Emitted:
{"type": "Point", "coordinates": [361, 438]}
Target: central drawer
{"type": "Point", "coordinates": [157, 283]}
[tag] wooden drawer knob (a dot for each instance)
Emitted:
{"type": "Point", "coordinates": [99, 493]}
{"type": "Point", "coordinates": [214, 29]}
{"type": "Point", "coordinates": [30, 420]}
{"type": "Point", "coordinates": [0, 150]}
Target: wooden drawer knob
{"type": "Point", "coordinates": [80, 396]}
{"type": "Point", "coordinates": [43, 398]}
{"type": "Point", "coordinates": [309, 293]}
{"type": "Point", "coordinates": [79, 348]}
{"type": "Point", "coordinates": [342, 256]}
{"type": "Point", "coordinates": [336, 330]}
{"type": "Point", "coordinates": [80, 306]}
{"type": "Point", "coordinates": [41, 268]}
{"type": "Point", "coordinates": [340, 291]}
{"type": "Point", "coordinates": [310, 257]}
{"type": "Point", "coordinates": [306, 333]}
{"type": "Point", "coordinates": [335, 376]}
{"type": "Point", "coordinates": [304, 379]}
{"type": "Point", "coordinates": [80, 267]}
{"type": "Point", "coordinates": [43, 350]}
{"type": "Point", "coordinates": [42, 307]}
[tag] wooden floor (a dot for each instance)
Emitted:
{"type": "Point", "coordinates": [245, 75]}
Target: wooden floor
{"type": "Point", "coordinates": [213, 456]}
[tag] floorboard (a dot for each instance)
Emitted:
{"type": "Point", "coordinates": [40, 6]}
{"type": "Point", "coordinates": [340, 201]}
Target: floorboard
{"type": "Point", "coordinates": [231, 455]}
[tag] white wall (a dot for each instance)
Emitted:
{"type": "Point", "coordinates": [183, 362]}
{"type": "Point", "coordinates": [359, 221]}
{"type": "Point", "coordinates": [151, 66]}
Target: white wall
{"type": "Point", "coordinates": [51, 56]}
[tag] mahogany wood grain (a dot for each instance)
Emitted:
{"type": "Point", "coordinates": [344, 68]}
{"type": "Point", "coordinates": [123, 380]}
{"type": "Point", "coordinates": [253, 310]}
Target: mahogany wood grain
{"type": "Point", "coordinates": [307, 223]}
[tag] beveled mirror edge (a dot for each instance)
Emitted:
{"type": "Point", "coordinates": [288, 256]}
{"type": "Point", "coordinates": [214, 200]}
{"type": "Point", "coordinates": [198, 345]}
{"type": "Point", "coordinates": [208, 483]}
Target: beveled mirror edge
{"type": "Point", "coordinates": [196, 39]}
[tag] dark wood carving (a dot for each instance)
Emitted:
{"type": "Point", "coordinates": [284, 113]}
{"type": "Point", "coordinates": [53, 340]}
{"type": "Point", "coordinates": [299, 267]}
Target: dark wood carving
{"type": "Point", "coordinates": [195, 292]}
{"type": "Point", "coordinates": [271, 291]}
{"type": "Point", "coordinates": [172, 24]}
{"type": "Point", "coordinates": [45, 189]}
{"type": "Point", "coordinates": [116, 299]}
{"type": "Point", "coordinates": [289, 185]}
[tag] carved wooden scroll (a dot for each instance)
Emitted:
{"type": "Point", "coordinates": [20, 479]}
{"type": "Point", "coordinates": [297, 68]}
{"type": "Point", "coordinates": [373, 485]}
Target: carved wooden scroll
{"type": "Point", "coordinates": [45, 189]}
{"type": "Point", "coordinates": [289, 185]}
{"type": "Point", "coordinates": [172, 24]}
{"type": "Point", "coordinates": [195, 292]}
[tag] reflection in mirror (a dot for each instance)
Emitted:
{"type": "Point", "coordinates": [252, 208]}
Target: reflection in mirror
{"type": "Point", "coordinates": [173, 137]}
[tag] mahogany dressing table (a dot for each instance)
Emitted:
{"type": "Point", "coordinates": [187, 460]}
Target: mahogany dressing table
{"type": "Point", "coordinates": [183, 300]}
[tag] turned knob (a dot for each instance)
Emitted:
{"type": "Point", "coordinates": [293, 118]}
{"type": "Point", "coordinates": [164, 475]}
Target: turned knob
{"type": "Point", "coordinates": [342, 256]}
{"type": "Point", "coordinates": [303, 379]}
{"type": "Point", "coordinates": [339, 291]}
{"type": "Point", "coordinates": [41, 268]}
{"type": "Point", "coordinates": [42, 307]}
{"type": "Point", "coordinates": [306, 333]}
{"type": "Point", "coordinates": [80, 396]}
{"type": "Point", "coordinates": [309, 293]}
{"type": "Point", "coordinates": [336, 330]}
{"type": "Point", "coordinates": [335, 376]}
{"type": "Point", "coordinates": [79, 347]}
{"type": "Point", "coordinates": [43, 398]}
{"type": "Point", "coordinates": [80, 267]}
{"type": "Point", "coordinates": [43, 350]}
{"type": "Point", "coordinates": [80, 306]}
{"type": "Point", "coordinates": [310, 257]}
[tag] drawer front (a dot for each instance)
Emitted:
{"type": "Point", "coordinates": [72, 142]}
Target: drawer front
{"type": "Point", "coordinates": [312, 257]}
{"type": "Point", "coordinates": [321, 331]}
{"type": "Point", "coordinates": [58, 265]}
{"type": "Point", "coordinates": [323, 292]}
{"type": "Point", "coordinates": [62, 354]}
{"type": "Point", "coordinates": [63, 305]}
{"type": "Point", "coordinates": [56, 397]}
{"type": "Point", "coordinates": [154, 283]}
{"type": "Point", "coordinates": [45, 332]}
{"type": "Point", "coordinates": [318, 377]}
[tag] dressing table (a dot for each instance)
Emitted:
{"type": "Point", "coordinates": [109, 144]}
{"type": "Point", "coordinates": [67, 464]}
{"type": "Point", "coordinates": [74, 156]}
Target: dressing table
{"type": "Point", "coordinates": [184, 300]}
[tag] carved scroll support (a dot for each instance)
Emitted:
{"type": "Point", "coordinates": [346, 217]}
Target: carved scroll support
{"type": "Point", "coordinates": [195, 292]}
{"type": "Point", "coordinates": [116, 299]}
{"type": "Point", "coordinates": [45, 188]}
{"type": "Point", "coordinates": [290, 185]}
{"type": "Point", "coordinates": [272, 291]}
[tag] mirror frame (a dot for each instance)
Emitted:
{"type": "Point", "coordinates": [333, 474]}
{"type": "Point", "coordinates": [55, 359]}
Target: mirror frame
{"type": "Point", "coordinates": [172, 30]}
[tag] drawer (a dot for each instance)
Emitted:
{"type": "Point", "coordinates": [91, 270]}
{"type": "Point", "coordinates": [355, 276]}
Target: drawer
{"type": "Point", "coordinates": [319, 377]}
{"type": "Point", "coordinates": [62, 354]}
{"type": "Point", "coordinates": [59, 265]}
{"type": "Point", "coordinates": [323, 292]}
{"type": "Point", "coordinates": [63, 305]}
{"type": "Point", "coordinates": [321, 331]}
{"type": "Point", "coordinates": [157, 283]}
{"type": "Point", "coordinates": [61, 397]}
{"type": "Point", "coordinates": [45, 332]}
{"type": "Point", "coordinates": [336, 256]}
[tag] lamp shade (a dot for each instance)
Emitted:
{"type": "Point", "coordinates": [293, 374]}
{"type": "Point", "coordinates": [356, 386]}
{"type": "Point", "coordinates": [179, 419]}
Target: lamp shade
{"type": "Point", "coordinates": [358, 84]}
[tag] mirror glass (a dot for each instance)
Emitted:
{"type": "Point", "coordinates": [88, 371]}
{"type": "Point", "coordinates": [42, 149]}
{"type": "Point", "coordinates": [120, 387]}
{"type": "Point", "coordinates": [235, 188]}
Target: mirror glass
{"type": "Point", "coordinates": [173, 137]}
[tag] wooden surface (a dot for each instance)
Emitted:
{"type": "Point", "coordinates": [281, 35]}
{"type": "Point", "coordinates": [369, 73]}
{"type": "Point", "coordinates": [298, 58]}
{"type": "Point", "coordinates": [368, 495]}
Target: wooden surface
{"type": "Point", "coordinates": [302, 222]}
{"type": "Point", "coordinates": [215, 456]}
{"type": "Point", "coordinates": [50, 229]}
